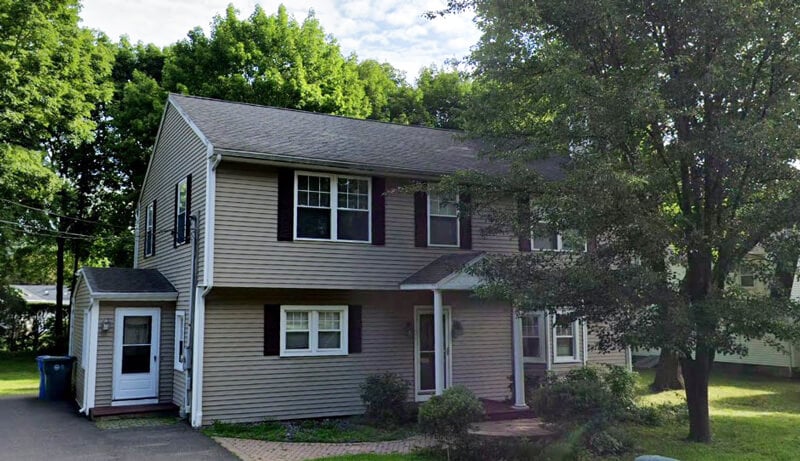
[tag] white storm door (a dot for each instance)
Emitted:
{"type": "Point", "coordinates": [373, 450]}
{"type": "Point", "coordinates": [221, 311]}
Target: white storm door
{"type": "Point", "coordinates": [136, 354]}
{"type": "Point", "coordinates": [425, 354]}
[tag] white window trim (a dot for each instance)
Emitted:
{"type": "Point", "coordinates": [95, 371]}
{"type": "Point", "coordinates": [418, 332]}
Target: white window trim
{"type": "Point", "coordinates": [334, 206]}
{"type": "Point", "coordinates": [575, 357]}
{"type": "Point", "coordinates": [180, 334]}
{"type": "Point", "coordinates": [148, 228]}
{"type": "Point", "coordinates": [542, 358]}
{"type": "Point", "coordinates": [185, 181]}
{"type": "Point", "coordinates": [87, 316]}
{"type": "Point", "coordinates": [458, 226]}
{"type": "Point", "coordinates": [313, 330]}
{"type": "Point", "coordinates": [559, 244]}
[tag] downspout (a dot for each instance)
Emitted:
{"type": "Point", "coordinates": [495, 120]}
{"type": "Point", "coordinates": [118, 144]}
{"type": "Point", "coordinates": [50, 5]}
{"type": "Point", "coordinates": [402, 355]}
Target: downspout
{"type": "Point", "coordinates": [197, 330]}
{"type": "Point", "coordinates": [192, 290]}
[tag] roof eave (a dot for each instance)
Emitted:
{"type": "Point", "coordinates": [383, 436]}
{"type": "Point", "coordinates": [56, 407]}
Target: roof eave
{"type": "Point", "coordinates": [141, 296]}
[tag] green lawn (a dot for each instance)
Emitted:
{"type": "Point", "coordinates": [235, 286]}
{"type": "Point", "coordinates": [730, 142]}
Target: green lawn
{"type": "Point", "coordinates": [18, 374]}
{"type": "Point", "coordinates": [753, 418]}
{"type": "Point", "coordinates": [376, 458]}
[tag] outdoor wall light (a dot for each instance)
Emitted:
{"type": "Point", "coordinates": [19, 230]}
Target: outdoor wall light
{"type": "Point", "coordinates": [106, 325]}
{"type": "Point", "coordinates": [457, 329]}
{"type": "Point", "coordinates": [408, 329]}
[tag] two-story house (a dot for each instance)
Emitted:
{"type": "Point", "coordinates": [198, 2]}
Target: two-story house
{"type": "Point", "coordinates": [278, 263]}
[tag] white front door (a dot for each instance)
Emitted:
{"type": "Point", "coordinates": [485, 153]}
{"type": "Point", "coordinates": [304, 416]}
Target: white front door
{"type": "Point", "coordinates": [425, 354]}
{"type": "Point", "coordinates": [136, 355]}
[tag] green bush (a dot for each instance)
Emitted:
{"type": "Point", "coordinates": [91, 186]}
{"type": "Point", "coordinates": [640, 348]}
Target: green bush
{"type": "Point", "coordinates": [609, 442]}
{"type": "Point", "coordinates": [585, 394]}
{"type": "Point", "coordinates": [448, 417]}
{"type": "Point", "coordinates": [384, 396]}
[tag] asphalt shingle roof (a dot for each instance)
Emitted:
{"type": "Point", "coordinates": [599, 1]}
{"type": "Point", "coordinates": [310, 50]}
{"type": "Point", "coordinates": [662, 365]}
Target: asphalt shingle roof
{"type": "Point", "coordinates": [40, 294]}
{"type": "Point", "coordinates": [124, 280]}
{"type": "Point", "coordinates": [306, 137]}
{"type": "Point", "coordinates": [440, 268]}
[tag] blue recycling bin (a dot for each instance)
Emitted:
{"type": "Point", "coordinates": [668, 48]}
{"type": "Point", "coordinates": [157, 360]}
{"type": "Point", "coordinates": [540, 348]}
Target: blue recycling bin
{"type": "Point", "coordinates": [55, 376]}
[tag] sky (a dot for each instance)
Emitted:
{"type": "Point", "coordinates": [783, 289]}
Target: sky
{"type": "Point", "coordinates": [391, 31]}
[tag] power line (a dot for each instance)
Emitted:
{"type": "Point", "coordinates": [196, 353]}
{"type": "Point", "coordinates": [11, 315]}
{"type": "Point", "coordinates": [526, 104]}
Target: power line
{"type": "Point", "coordinates": [51, 213]}
{"type": "Point", "coordinates": [39, 234]}
{"type": "Point", "coordinates": [35, 229]}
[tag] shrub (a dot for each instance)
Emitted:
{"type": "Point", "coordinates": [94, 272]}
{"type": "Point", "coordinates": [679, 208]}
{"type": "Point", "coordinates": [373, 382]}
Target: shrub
{"type": "Point", "coordinates": [448, 417]}
{"type": "Point", "coordinates": [584, 394]}
{"type": "Point", "coordinates": [609, 442]}
{"type": "Point", "coordinates": [384, 396]}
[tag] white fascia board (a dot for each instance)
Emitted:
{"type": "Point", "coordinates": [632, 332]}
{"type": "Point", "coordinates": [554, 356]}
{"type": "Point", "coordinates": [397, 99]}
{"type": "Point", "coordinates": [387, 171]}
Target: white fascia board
{"type": "Point", "coordinates": [94, 332]}
{"type": "Point", "coordinates": [135, 296]}
{"type": "Point", "coordinates": [417, 286]}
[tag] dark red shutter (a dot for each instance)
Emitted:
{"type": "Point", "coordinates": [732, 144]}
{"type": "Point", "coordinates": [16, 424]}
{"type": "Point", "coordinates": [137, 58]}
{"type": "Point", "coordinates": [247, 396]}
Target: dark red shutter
{"type": "Point", "coordinates": [465, 224]}
{"type": "Point", "coordinates": [524, 244]}
{"type": "Point", "coordinates": [188, 209]}
{"type": "Point", "coordinates": [354, 329]}
{"type": "Point", "coordinates": [378, 211]}
{"type": "Point", "coordinates": [420, 219]}
{"type": "Point", "coordinates": [285, 204]}
{"type": "Point", "coordinates": [272, 329]}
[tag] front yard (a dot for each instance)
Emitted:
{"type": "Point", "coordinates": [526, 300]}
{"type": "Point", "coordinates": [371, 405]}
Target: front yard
{"type": "Point", "coordinates": [18, 374]}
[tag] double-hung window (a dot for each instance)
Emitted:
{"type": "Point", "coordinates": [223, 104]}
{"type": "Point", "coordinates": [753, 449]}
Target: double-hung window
{"type": "Point", "coordinates": [565, 339]}
{"type": "Point", "coordinates": [149, 230]}
{"type": "Point", "coordinates": [747, 279]}
{"type": "Point", "coordinates": [532, 329]}
{"type": "Point", "coordinates": [443, 220]}
{"type": "Point", "coordinates": [313, 330]}
{"type": "Point", "coordinates": [544, 238]}
{"type": "Point", "coordinates": [332, 207]}
{"type": "Point", "coordinates": [182, 211]}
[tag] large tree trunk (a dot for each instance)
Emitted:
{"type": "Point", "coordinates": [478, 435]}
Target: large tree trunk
{"type": "Point", "coordinates": [58, 327]}
{"type": "Point", "coordinates": [668, 372]}
{"type": "Point", "coordinates": [696, 374]}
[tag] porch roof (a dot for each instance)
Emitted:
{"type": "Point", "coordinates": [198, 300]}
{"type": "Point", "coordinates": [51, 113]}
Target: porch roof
{"type": "Point", "coordinates": [117, 283]}
{"type": "Point", "coordinates": [445, 273]}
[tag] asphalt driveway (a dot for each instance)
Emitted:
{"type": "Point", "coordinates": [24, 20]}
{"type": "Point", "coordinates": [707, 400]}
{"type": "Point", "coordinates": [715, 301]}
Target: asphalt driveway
{"type": "Point", "coordinates": [50, 431]}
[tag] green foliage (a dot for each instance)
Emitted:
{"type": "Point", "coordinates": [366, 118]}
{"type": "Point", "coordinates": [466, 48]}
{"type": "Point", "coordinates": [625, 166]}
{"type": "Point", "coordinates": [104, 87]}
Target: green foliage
{"type": "Point", "coordinates": [445, 95]}
{"type": "Point", "coordinates": [586, 394]}
{"type": "Point", "coordinates": [384, 396]}
{"type": "Point", "coordinates": [314, 431]}
{"type": "Point", "coordinates": [448, 417]}
{"type": "Point", "coordinates": [609, 442]}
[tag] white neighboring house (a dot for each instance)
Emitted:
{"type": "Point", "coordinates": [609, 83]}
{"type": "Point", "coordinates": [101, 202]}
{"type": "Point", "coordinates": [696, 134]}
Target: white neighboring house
{"type": "Point", "coordinates": [41, 295]}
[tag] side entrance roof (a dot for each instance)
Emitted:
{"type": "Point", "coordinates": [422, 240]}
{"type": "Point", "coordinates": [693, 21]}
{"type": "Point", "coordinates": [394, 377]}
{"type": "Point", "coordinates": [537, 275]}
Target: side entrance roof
{"type": "Point", "coordinates": [124, 284]}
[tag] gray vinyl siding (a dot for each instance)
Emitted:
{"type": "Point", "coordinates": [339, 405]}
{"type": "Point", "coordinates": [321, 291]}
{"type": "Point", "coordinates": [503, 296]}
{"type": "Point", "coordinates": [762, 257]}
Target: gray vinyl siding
{"type": "Point", "coordinates": [105, 351]}
{"type": "Point", "coordinates": [82, 302]}
{"type": "Point", "coordinates": [616, 357]}
{"type": "Point", "coordinates": [247, 253]}
{"type": "Point", "coordinates": [483, 354]}
{"type": "Point", "coordinates": [179, 152]}
{"type": "Point", "coordinates": [240, 384]}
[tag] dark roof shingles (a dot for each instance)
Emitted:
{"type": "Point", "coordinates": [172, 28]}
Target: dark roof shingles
{"type": "Point", "coordinates": [440, 268]}
{"type": "Point", "coordinates": [124, 280]}
{"type": "Point", "coordinates": [308, 137]}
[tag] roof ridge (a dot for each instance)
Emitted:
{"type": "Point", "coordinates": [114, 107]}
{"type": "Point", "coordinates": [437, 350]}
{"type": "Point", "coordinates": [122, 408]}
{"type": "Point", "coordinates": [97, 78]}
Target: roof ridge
{"type": "Point", "coordinates": [309, 112]}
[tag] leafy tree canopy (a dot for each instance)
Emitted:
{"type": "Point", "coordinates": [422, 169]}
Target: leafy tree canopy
{"type": "Point", "coordinates": [677, 125]}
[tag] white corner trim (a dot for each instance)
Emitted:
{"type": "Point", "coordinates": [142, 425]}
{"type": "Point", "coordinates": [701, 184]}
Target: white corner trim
{"type": "Point", "coordinates": [212, 163]}
{"type": "Point", "coordinates": [198, 324]}
{"type": "Point", "coordinates": [144, 296]}
{"type": "Point", "coordinates": [91, 373]}
{"type": "Point", "coordinates": [548, 348]}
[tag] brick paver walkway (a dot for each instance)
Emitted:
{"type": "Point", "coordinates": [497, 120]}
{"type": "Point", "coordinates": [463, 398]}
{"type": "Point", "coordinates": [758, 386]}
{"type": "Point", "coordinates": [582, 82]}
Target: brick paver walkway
{"type": "Point", "coordinates": [259, 450]}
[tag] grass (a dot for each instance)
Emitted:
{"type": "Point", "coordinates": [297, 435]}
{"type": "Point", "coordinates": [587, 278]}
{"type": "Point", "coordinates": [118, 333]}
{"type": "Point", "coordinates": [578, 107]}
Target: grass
{"type": "Point", "coordinates": [323, 431]}
{"type": "Point", "coordinates": [18, 374]}
{"type": "Point", "coordinates": [753, 418]}
{"type": "Point", "coordinates": [392, 457]}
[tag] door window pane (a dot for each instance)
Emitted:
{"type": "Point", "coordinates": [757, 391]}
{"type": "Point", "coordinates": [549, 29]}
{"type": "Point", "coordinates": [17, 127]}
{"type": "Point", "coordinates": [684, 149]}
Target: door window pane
{"type": "Point", "coordinates": [136, 359]}
{"type": "Point", "coordinates": [136, 330]}
{"type": "Point", "coordinates": [427, 371]}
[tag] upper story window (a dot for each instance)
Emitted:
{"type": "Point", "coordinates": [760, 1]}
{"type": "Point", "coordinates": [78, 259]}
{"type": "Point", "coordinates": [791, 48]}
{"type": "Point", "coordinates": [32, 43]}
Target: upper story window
{"type": "Point", "coordinates": [532, 337]}
{"type": "Point", "coordinates": [182, 200]}
{"type": "Point", "coordinates": [568, 240]}
{"type": "Point", "coordinates": [150, 230]}
{"type": "Point", "coordinates": [565, 339]}
{"type": "Point", "coordinates": [313, 330]}
{"type": "Point", "coordinates": [332, 207]}
{"type": "Point", "coordinates": [443, 220]}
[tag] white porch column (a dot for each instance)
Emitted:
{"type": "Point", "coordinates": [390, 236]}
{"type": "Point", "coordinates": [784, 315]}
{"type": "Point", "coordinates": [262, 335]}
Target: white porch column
{"type": "Point", "coordinates": [519, 365]}
{"type": "Point", "coordinates": [438, 340]}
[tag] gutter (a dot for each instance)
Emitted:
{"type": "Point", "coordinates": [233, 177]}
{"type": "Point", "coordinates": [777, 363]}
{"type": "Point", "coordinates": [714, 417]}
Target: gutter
{"type": "Point", "coordinates": [198, 306]}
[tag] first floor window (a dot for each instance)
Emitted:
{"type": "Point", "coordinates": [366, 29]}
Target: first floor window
{"type": "Point", "coordinates": [443, 220]}
{"type": "Point", "coordinates": [565, 339]}
{"type": "Point", "coordinates": [532, 345]}
{"type": "Point", "coordinates": [313, 330]}
{"type": "Point", "coordinates": [332, 207]}
{"type": "Point", "coordinates": [180, 345]}
{"type": "Point", "coordinates": [149, 230]}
